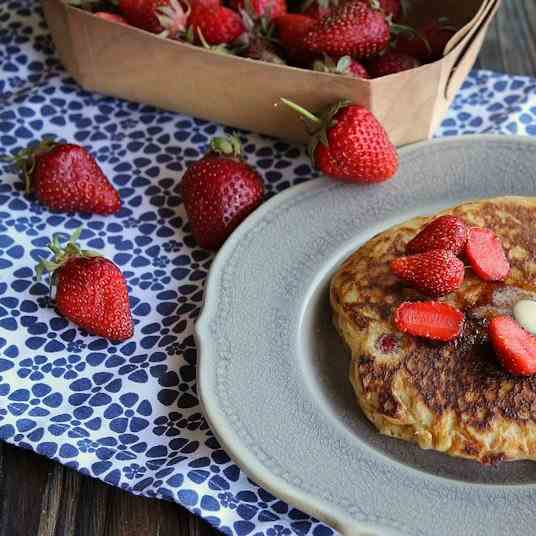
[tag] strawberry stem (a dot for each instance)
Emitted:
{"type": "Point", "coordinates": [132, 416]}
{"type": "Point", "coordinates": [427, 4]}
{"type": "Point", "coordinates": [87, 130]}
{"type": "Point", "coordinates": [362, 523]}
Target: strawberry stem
{"type": "Point", "coordinates": [62, 254]}
{"type": "Point", "coordinates": [173, 17]}
{"type": "Point", "coordinates": [227, 146]}
{"type": "Point", "coordinates": [26, 160]}
{"type": "Point", "coordinates": [218, 49]}
{"type": "Point", "coordinates": [302, 111]}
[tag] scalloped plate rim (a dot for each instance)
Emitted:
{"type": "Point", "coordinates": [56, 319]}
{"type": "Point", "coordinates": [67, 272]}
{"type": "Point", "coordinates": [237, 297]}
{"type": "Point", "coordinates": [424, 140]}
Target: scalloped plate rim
{"type": "Point", "coordinates": [221, 427]}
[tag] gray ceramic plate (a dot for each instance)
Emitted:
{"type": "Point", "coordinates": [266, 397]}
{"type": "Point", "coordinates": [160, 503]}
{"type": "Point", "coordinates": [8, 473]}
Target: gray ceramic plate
{"type": "Point", "coordinates": [273, 374]}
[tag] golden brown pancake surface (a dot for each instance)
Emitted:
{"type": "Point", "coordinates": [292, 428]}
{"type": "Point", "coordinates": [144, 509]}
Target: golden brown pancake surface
{"type": "Point", "coordinates": [453, 397]}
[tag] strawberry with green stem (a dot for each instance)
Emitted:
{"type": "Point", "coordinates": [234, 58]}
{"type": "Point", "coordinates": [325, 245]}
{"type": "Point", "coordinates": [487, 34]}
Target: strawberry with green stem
{"type": "Point", "coordinates": [345, 66]}
{"type": "Point", "coordinates": [169, 17]}
{"type": "Point", "coordinates": [66, 177]}
{"type": "Point", "coordinates": [258, 42]}
{"type": "Point", "coordinates": [349, 143]}
{"type": "Point", "coordinates": [222, 49]}
{"type": "Point", "coordinates": [91, 291]}
{"type": "Point", "coordinates": [219, 191]}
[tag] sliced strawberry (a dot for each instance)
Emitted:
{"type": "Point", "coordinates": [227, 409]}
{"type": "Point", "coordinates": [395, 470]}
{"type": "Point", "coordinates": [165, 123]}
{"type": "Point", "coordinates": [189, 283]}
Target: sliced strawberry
{"type": "Point", "coordinates": [486, 254]}
{"type": "Point", "coordinates": [515, 347]}
{"type": "Point", "coordinates": [445, 232]}
{"type": "Point", "coordinates": [433, 320]}
{"type": "Point", "coordinates": [434, 273]}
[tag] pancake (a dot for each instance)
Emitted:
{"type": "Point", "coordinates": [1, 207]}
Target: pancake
{"type": "Point", "coordinates": [452, 397]}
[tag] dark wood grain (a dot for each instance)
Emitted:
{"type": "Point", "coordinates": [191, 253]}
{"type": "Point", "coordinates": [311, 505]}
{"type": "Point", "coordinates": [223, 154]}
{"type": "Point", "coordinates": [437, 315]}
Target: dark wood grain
{"type": "Point", "coordinates": [40, 498]}
{"type": "Point", "coordinates": [510, 44]}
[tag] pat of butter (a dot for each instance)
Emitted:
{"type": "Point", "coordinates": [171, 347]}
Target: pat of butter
{"type": "Point", "coordinates": [525, 314]}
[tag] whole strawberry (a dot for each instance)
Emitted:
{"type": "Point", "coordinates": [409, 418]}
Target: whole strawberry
{"type": "Point", "coordinates": [156, 16]}
{"type": "Point", "coordinates": [90, 290]}
{"type": "Point", "coordinates": [219, 25]}
{"type": "Point", "coordinates": [435, 273]}
{"type": "Point", "coordinates": [392, 8]}
{"type": "Point", "coordinates": [350, 144]}
{"type": "Point", "coordinates": [445, 232]}
{"type": "Point", "coordinates": [390, 63]}
{"type": "Point", "coordinates": [321, 8]}
{"type": "Point", "coordinates": [291, 29]}
{"type": "Point", "coordinates": [257, 42]}
{"type": "Point", "coordinates": [219, 191]}
{"type": "Point", "coordinates": [345, 66]}
{"type": "Point", "coordinates": [65, 177]}
{"type": "Point", "coordinates": [438, 33]}
{"type": "Point", "coordinates": [318, 9]}
{"type": "Point", "coordinates": [352, 29]}
{"type": "Point", "coordinates": [261, 8]}
{"type": "Point", "coordinates": [428, 42]}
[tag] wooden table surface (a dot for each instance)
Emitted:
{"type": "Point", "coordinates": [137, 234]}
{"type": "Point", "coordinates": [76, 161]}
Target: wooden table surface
{"type": "Point", "coordinates": [39, 497]}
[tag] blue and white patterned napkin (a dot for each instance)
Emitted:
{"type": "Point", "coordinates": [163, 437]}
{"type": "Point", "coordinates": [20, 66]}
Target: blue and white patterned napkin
{"type": "Point", "coordinates": [128, 413]}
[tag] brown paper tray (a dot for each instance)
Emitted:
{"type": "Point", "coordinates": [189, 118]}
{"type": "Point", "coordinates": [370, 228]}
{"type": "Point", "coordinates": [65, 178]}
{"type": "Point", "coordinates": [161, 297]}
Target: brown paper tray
{"type": "Point", "coordinates": [136, 65]}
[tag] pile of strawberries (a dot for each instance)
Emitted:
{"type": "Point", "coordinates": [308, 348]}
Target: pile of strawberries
{"type": "Point", "coordinates": [355, 38]}
{"type": "Point", "coordinates": [435, 269]}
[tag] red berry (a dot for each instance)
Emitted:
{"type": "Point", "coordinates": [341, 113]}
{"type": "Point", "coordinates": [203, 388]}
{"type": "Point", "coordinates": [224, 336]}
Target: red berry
{"type": "Point", "coordinates": [432, 320]}
{"type": "Point", "coordinates": [219, 25]}
{"type": "Point", "coordinates": [358, 148]}
{"type": "Point", "coordinates": [322, 8]}
{"type": "Point", "coordinates": [350, 144]}
{"type": "Point", "coordinates": [318, 9]}
{"type": "Point", "coordinates": [445, 232]}
{"type": "Point", "coordinates": [515, 347]}
{"type": "Point", "coordinates": [345, 66]}
{"type": "Point", "coordinates": [486, 255]}
{"type": "Point", "coordinates": [388, 343]}
{"type": "Point", "coordinates": [291, 29]}
{"type": "Point", "coordinates": [91, 291]}
{"type": "Point", "coordinates": [391, 62]}
{"type": "Point", "coordinates": [65, 177]}
{"type": "Point", "coordinates": [262, 8]}
{"type": "Point", "coordinates": [219, 191]}
{"type": "Point", "coordinates": [438, 33]}
{"type": "Point", "coordinates": [358, 70]}
{"type": "Point", "coordinates": [435, 273]}
{"type": "Point", "coordinates": [392, 8]}
{"type": "Point", "coordinates": [143, 13]}
{"type": "Point", "coordinates": [352, 29]}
